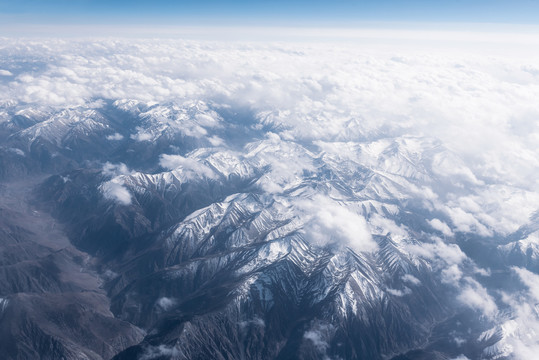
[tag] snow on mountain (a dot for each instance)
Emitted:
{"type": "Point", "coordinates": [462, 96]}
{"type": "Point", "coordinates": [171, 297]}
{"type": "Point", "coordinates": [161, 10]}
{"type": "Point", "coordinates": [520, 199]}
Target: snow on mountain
{"type": "Point", "coordinates": [280, 201]}
{"type": "Point", "coordinates": [64, 127]}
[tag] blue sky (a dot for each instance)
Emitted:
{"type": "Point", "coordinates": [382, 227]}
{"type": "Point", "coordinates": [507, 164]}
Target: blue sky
{"type": "Point", "coordinates": [267, 12]}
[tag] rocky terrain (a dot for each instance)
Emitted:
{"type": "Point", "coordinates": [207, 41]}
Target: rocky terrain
{"type": "Point", "coordinates": [199, 229]}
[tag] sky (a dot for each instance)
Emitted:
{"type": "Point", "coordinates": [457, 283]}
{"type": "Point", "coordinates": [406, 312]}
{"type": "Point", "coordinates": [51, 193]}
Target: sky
{"type": "Point", "coordinates": [265, 12]}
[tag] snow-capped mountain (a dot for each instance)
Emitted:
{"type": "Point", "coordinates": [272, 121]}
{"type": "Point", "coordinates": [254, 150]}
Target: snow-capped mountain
{"type": "Point", "coordinates": [205, 228]}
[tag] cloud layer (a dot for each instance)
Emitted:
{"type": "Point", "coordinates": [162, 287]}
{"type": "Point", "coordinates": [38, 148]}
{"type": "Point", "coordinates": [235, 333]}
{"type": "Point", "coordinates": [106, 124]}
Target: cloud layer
{"type": "Point", "coordinates": [452, 134]}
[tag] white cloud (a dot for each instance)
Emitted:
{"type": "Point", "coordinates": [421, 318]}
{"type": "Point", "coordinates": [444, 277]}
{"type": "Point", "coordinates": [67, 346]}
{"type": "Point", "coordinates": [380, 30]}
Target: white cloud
{"type": "Point", "coordinates": [256, 321]}
{"type": "Point", "coordinates": [113, 170]}
{"type": "Point", "coordinates": [318, 335]}
{"type": "Point", "coordinates": [399, 293]}
{"type": "Point", "coordinates": [454, 132]}
{"type": "Point", "coordinates": [438, 250]}
{"type": "Point", "coordinates": [411, 279]}
{"type": "Point", "coordinates": [475, 296]}
{"type": "Point", "coordinates": [452, 275]}
{"type": "Point", "coordinates": [331, 222]}
{"type": "Point", "coordinates": [316, 339]}
{"type": "Point", "coordinates": [523, 337]}
{"type": "Point", "coordinates": [113, 190]}
{"type": "Point", "coordinates": [461, 357]}
{"type": "Point", "coordinates": [454, 168]}
{"type": "Point", "coordinates": [216, 140]}
{"type": "Point", "coordinates": [141, 135]}
{"type": "Point", "coordinates": [306, 92]}
{"type": "Point", "coordinates": [386, 226]}
{"type": "Point", "coordinates": [166, 303]}
{"type": "Point", "coordinates": [115, 136]}
{"type": "Point", "coordinates": [466, 221]}
{"type": "Point", "coordinates": [440, 226]}
{"type": "Point", "coordinates": [192, 167]}
{"type": "Point", "coordinates": [161, 351]}
{"type": "Point", "coordinates": [529, 279]}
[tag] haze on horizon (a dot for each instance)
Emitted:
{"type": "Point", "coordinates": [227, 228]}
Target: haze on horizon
{"type": "Point", "coordinates": [341, 13]}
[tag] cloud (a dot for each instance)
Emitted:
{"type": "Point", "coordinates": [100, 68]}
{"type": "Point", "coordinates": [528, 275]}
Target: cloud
{"type": "Point", "coordinates": [475, 296]}
{"type": "Point", "coordinates": [452, 275]}
{"type": "Point", "coordinates": [166, 303]}
{"type": "Point", "coordinates": [318, 335]}
{"type": "Point", "coordinates": [256, 321]}
{"type": "Point", "coordinates": [316, 338]}
{"type": "Point", "coordinates": [115, 136]}
{"type": "Point", "coordinates": [399, 293]}
{"type": "Point", "coordinates": [520, 332]}
{"type": "Point", "coordinates": [216, 140]}
{"type": "Point", "coordinates": [331, 222]}
{"type": "Point", "coordinates": [385, 226]}
{"type": "Point", "coordinates": [466, 222]}
{"type": "Point", "coordinates": [460, 357]}
{"type": "Point", "coordinates": [286, 162]}
{"type": "Point", "coordinates": [451, 133]}
{"type": "Point", "coordinates": [304, 92]}
{"type": "Point", "coordinates": [141, 135]}
{"type": "Point", "coordinates": [529, 279]}
{"type": "Point", "coordinates": [454, 168]}
{"type": "Point", "coordinates": [440, 226]}
{"type": "Point", "coordinates": [161, 351]}
{"type": "Point", "coordinates": [192, 167]}
{"type": "Point", "coordinates": [110, 169]}
{"type": "Point", "coordinates": [411, 279]}
{"type": "Point", "coordinates": [113, 190]}
{"type": "Point", "coordinates": [438, 250]}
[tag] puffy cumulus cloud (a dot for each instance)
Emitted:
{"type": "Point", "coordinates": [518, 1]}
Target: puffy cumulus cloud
{"type": "Point", "coordinates": [256, 321]}
{"type": "Point", "coordinates": [115, 136]}
{"type": "Point", "coordinates": [191, 167]}
{"type": "Point", "coordinates": [331, 222]}
{"type": "Point", "coordinates": [285, 163]}
{"type": "Point", "coordinates": [160, 352]}
{"type": "Point", "coordinates": [385, 226]}
{"type": "Point", "coordinates": [319, 336]}
{"type": "Point", "coordinates": [452, 275]}
{"type": "Point", "coordinates": [116, 191]}
{"type": "Point", "coordinates": [166, 303]}
{"type": "Point", "coordinates": [216, 140]}
{"type": "Point", "coordinates": [475, 296]}
{"type": "Point", "coordinates": [451, 166]}
{"type": "Point", "coordinates": [113, 170]}
{"type": "Point", "coordinates": [409, 278]}
{"type": "Point", "coordinates": [465, 221]}
{"type": "Point", "coordinates": [531, 280]}
{"type": "Point", "coordinates": [439, 252]}
{"type": "Point", "coordinates": [456, 270]}
{"type": "Point", "coordinates": [460, 357]}
{"type": "Point", "coordinates": [482, 109]}
{"type": "Point", "coordinates": [316, 338]}
{"type": "Point", "coordinates": [141, 135]}
{"type": "Point", "coordinates": [399, 293]}
{"type": "Point", "coordinates": [521, 332]}
{"type": "Point", "coordinates": [453, 131]}
{"type": "Point", "coordinates": [440, 226]}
